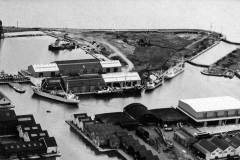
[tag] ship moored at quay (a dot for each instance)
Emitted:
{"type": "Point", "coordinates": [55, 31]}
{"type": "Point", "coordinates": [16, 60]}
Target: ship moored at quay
{"type": "Point", "coordinates": [90, 76]}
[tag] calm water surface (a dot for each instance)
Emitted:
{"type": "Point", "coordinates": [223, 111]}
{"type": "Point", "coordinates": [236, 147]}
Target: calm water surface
{"type": "Point", "coordinates": [18, 53]}
{"type": "Point", "coordinates": [219, 15]}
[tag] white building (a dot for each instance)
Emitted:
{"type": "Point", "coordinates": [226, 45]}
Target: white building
{"type": "Point", "coordinates": [122, 79]}
{"type": "Point", "coordinates": [44, 70]}
{"type": "Point", "coordinates": [111, 66]}
{"type": "Point", "coordinates": [211, 111]}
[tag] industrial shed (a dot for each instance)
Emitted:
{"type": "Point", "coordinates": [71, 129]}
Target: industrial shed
{"type": "Point", "coordinates": [84, 83]}
{"type": "Point", "coordinates": [44, 70]}
{"type": "Point", "coordinates": [169, 115]}
{"type": "Point", "coordinates": [79, 66]}
{"type": "Point", "coordinates": [117, 118]}
{"type": "Point", "coordinates": [140, 113]}
{"type": "Point", "coordinates": [111, 66]}
{"type": "Point", "coordinates": [211, 111]}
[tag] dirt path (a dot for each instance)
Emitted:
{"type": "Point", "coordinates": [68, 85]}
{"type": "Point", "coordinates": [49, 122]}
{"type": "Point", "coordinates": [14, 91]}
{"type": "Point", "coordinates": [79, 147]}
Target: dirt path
{"type": "Point", "coordinates": [119, 53]}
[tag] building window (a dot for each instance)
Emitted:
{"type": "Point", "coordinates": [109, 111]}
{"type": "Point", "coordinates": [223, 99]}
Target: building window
{"type": "Point", "coordinates": [115, 69]}
{"type": "Point", "coordinates": [40, 74]}
{"type": "Point", "coordinates": [225, 113]}
{"type": "Point", "coordinates": [205, 115]}
{"type": "Point", "coordinates": [53, 74]}
{"type": "Point", "coordinates": [236, 112]}
{"type": "Point", "coordinates": [108, 70]}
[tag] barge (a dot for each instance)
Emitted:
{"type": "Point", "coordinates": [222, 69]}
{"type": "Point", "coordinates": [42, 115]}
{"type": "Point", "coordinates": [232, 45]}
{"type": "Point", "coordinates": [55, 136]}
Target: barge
{"type": "Point", "coordinates": [218, 73]}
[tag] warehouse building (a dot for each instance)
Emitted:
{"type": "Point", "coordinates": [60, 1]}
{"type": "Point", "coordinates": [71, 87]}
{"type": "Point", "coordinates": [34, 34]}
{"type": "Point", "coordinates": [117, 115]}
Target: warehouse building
{"type": "Point", "coordinates": [169, 115]}
{"type": "Point", "coordinates": [140, 113]}
{"type": "Point", "coordinates": [79, 66]}
{"type": "Point", "coordinates": [207, 150]}
{"type": "Point", "coordinates": [121, 79]}
{"type": "Point", "coordinates": [83, 84]}
{"type": "Point", "coordinates": [111, 66]}
{"type": "Point", "coordinates": [44, 70]}
{"type": "Point", "coordinates": [211, 111]}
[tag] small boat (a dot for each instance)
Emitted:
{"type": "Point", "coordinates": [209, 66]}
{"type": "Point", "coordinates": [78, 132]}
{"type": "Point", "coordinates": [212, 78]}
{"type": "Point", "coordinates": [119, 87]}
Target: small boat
{"type": "Point", "coordinates": [174, 71]}
{"type": "Point", "coordinates": [17, 87]}
{"type": "Point", "coordinates": [58, 96]}
{"type": "Point", "coordinates": [154, 82]}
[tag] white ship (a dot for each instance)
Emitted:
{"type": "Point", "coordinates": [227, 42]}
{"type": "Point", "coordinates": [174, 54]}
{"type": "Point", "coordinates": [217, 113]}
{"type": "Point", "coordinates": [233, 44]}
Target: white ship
{"type": "Point", "coordinates": [58, 96]}
{"type": "Point", "coordinates": [174, 71]}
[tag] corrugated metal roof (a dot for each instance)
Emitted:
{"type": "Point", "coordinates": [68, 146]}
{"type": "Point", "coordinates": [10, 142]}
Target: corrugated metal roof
{"type": "Point", "coordinates": [121, 77]}
{"type": "Point", "coordinates": [208, 146]}
{"type": "Point", "coordinates": [51, 67]}
{"type": "Point", "coordinates": [110, 64]}
{"type": "Point", "coordinates": [212, 103]}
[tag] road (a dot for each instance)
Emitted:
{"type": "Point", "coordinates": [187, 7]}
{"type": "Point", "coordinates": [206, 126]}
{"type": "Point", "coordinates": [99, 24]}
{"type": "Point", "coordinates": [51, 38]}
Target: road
{"type": "Point", "coordinates": [119, 53]}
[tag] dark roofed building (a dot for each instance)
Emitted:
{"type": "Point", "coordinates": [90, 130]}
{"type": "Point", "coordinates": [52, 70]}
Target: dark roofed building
{"type": "Point", "coordinates": [228, 149]}
{"type": "Point", "coordinates": [118, 118]}
{"type": "Point", "coordinates": [90, 65]}
{"type": "Point", "coordinates": [169, 115]}
{"type": "Point", "coordinates": [140, 113]}
{"type": "Point", "coordinates": [50, 144]}
{"type": "Point", "coordinates": [208, 145]}
{"type": "Point", "coordinates": [7, 122]}
{"type": "Point", "coordinates": [207, 150]}
{"type": "Point", "coordinates": [83, 83]}
{"type": "Point", "coordinates": [221, 143]}
{"type": "Point", "coordinates": [22, 148]}
{"type": "Point", "coordinates": [7, 115]}
{"type": "Point", "coordinates": [27, 119]}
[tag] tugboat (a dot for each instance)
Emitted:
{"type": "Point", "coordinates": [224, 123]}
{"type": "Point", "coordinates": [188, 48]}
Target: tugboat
{"type": "Point", "coordinates": [154, 82]}
{"type": "Point", "coordinates": [68, 98]}
{"type": "Point", "coordinates": [60, 46]}
{"type": "Point", "coordinates": [174, 71]}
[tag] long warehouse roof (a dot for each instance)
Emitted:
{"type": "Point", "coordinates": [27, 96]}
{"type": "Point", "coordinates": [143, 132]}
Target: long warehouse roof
{"type": "Point", "coordinates": [51, 67]}
{"type": "Point", "coordinates": [121, 77]}
{"type": "Point", "coordinates": [212, 103]}
{"type": "Point", "coordinates": [110, 64]}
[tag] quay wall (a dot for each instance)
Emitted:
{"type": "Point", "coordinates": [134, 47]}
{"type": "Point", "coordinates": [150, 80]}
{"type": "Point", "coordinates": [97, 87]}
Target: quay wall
{"type": "Point", "coordinates": [196, 64]}
{"type": "Point", "coordinates": [230, 42]}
